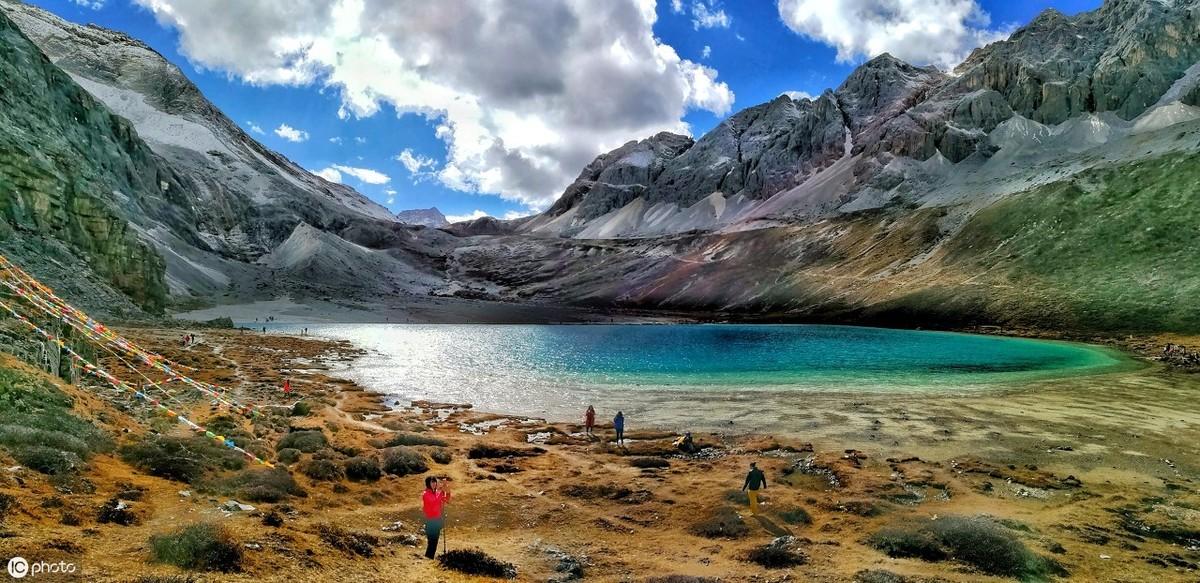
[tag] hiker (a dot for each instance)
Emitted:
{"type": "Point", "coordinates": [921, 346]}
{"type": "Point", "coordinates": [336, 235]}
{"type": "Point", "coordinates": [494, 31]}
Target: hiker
{"type": "Point", "coordinates": [685, 443]}
{"type": "Point", "coordinates": [287, 386]}
{"type": "Point", "coordinates": [589, 419]}
{"type": "Point", "coordinates": [619, 426]}
{"type": "Point", "coordinates": [755, 480]}
{"type": "Point", "coordinates": [433, 502]}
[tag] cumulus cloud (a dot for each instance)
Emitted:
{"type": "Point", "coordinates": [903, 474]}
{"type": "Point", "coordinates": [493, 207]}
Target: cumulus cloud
{"type": "Point", "coordinates": [524, 93]}
{"type": "Point", "coordinates": [937, 32]}
{"type": "Point", "coordinates": [477, 214]}
{"type": "Point", "coordinates": [366, 175]}
{"type": "Point", "coordinates": [799, 95]}
{"type": "Point", "coordinates": [255, 128]}
{"type": "Point", "coordinates": [414, 162]}
{"type": "Point", "coordinates": [290, 133]}
{"type": "Point", "coordinates": [677, 6]}
{"type": "Point", "coordinates": [330, 174]}
{"type": "Point", "coordinates": [709, 14]}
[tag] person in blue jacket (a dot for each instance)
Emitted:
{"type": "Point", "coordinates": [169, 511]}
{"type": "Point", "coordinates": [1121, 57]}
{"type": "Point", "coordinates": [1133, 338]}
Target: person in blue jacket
{"type": "Point", "coordinates": [619, 426]}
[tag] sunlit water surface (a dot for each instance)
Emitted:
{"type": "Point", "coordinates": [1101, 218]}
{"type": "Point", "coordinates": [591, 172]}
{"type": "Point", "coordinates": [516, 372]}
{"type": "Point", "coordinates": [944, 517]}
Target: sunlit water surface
{"type": "Point", "coordinates": [681, 372]}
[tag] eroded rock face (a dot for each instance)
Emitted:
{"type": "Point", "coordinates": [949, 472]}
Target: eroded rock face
{"type": "Point", "coordinates": [73, 172]}
{"type": "Point", "coordinates": [615, 178]}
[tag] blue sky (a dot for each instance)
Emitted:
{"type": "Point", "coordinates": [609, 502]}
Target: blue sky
{"type": "Point", "coordinates": [747, 46]}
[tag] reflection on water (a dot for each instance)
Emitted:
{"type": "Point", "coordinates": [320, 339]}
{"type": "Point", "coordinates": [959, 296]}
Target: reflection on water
{"type": "Point", "coordinates": [555, 371]}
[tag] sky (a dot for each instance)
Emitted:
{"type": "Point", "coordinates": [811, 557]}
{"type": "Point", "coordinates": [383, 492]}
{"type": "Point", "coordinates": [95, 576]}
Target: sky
{"type": "Point", "coordinates": [494, 106]}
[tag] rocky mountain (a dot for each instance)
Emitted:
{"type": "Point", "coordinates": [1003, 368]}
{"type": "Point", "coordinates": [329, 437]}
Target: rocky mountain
{"type": "Point", "coordinates": [430, 217]}
{"type": "Point", "coordinates": [1045, 182]}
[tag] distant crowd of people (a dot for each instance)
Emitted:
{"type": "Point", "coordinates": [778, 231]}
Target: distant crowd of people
{"type": "Point", "coordinates": [1180, 355]}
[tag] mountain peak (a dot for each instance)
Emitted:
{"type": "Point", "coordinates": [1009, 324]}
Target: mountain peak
{"type": "Point", "coordinates": [430, 217]}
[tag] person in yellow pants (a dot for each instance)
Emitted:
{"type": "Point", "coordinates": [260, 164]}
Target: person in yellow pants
{"type": "Point", "coordinates": [755, 480]}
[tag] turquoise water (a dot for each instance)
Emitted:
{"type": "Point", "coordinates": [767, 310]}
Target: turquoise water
{"type": "Point", "coordinates": [555, 370]}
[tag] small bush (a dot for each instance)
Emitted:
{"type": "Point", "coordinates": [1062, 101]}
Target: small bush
{"type": "Point", "coordinates": [649, 463]}
{"type": "Point", "coordinates": [261, 485]}
{"type": "Point", "coordinates": [411, 439]}
{"type": "Point", "coordinates": [738, 497]}
{"type": "Point", "coordinates": [723, 522]}
{"type": "Point", "coordinates": [115, 511]}
{"type": "Point", "coordinates": [301, 409]}
{"type": "Point", "coordinates": [486, 451]}
{"type": "Point", "coordinates": [979, 542]}
{"type": "Point", "coordinates": [476, 562]}
{"type": "Point", "coordinates": [323, 470]}
{"type": "Point", "coordinates": [272, 519]}
{"type": "Point", "coordinates": [8, 504]}
{"type": "Point", "coordinates": [778, 554]}
{"type": "Point", "coordinates": [402, 461]}
{"type": "Point", "coordinates": [596, 491]}
{"type": "Point", "coordinates": [349, 542]}
{"type": "Point", "coordinates": [46, 460]}
{"type": "Point", "coordinates": [288, 455]}
{"type": "Point", "coordinates": [795, 516]}
{"type": "Point", "coordinates": [441, 456]}
{"type": "Point", "coordinates": [199, 547]}
{"type": "Point", "coordinates": [307, 441]}
{"type": "Point", "coordinates": [362, 469]}
{"type": "Point", "coordinates": [180, 459]}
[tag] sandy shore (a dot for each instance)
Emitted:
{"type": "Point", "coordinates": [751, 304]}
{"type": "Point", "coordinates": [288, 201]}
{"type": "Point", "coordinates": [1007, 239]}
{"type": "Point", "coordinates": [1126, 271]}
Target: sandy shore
{"type": "Point", "coordinates": [1098, 473]}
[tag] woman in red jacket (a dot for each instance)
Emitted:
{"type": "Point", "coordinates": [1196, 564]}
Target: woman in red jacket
{"type": "Point", "coordinates": [589, 419]}
{"type": "Point", "coordinates": [433, 503]}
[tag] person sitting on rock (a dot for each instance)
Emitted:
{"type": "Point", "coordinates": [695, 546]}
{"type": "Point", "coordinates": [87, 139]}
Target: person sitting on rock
{"type": "Point", "coordinates": [686, 444]}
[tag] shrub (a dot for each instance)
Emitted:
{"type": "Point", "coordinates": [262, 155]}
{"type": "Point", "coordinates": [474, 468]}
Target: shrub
{"type": "Point", "coordinates": [180, 459]}
{"type": "Point", "coordinates": [46, 460]}
{"type": "Point", "coordinates": [796, 516]}
{"type": "Point", "coordinates": [301, 409]}
{"type": "Point", "coordinates": [414, 439]}
{"type": "Point", "coordinates": [199, 547]}
{"type": "Point", "coordinates": [979, 542]}
{"type": "Point", "coordinates": [8, 504]}
{"type": "Point", "coordinates": [307, 441]}
{"type": "Point", "coordinates": [115, 511]}
{"type": "Point", "coordinates": [441, 456]}
{"type": "Point", "coordinates": [476, 562]}
{"type": "Point", "coordinates": [288, 455]}
{"type": "Point", "coordinates": [272, 519]}
{"type": "Point", "coordinates": [323, 470]}
{"type": "Point", "coordinates": [485, 451]}
{"type": "Point", "coordinates": [723, 522]}
{"type": "Point", "coordinates": [737, 497]}
{"type": "Point", "coordinates": [350, 542]}
{"type": "Point", "coordinates": [778, 554]}
{"type": "Point", "coordinates": [596, 491]}
{"type": "Point", "coordinates": [261, 485]}
{"type": "Point", "coordinates": [362, 469]}
{"type": "Point", "coordinates": [649, 463]}
{"type": "Point", "coordinates": [402, 461]}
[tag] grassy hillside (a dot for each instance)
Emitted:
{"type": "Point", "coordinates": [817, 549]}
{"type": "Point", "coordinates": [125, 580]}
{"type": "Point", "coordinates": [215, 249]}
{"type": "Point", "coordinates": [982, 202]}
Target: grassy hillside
{"type": "Point", "coordinates": [1115, 248]}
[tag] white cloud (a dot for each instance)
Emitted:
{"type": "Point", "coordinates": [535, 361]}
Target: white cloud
{"type": "Point", "coordinates": [93, 4]}
{"type": "Point", "coordinates": [677, 6]}
{"type": "Point", "coordinates": [391, 196]}
{"type": "Point", "coordinates": [706, 53]}
{"type": "Point", "coordinates": [524, 92]}
{"type": "Point", "coordinates": [938, 32]}
{"type": "Point", "coordinates": [510, 215]}
{"type": "Point", "coordinates": [255, 128]}
{"type": "Point", "coordinates": [290, 133]}
{"type": "Point", "coordinates": [414, 162]}
{"type": "Point", "coordinates": [330, 174]}
{"type": "Point", "coordinates": [335, 140]}
{"type": "Point", "coordinates": [709, 14]}
{"type": "Point", "coordinates": [799, 95]}
{"type": "Point", "coordinates": [360, 140]}
{"type": "Point", "coordinates": [366, 175]}
{"type": "Point", "coordinates": [477, 214]}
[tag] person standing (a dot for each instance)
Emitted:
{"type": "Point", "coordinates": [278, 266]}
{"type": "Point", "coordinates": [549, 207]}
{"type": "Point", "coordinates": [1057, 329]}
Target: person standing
{"type": "Point", "coordinates": [619, 426]}
{"type": "Point", "coordinates": [755, 480]}
{"type": "Point", "coordinates": [433, 504]}
{"type": "Point", "coordinates": [589, 419]}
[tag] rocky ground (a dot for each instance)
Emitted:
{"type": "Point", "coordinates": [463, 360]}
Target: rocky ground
{"type": "Point", "coordinates": [1089, 479]}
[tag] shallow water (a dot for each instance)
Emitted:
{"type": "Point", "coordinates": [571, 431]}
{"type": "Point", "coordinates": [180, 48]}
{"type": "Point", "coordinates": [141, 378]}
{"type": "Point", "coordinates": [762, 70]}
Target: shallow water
{"type": "Point", "coordinates": [554, 371]}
